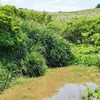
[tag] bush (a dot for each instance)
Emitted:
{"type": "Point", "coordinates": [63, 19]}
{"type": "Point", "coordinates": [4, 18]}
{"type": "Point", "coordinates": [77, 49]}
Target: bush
{"type": "Point", "coordinates": [13, 11]}
{"type": "Point", "coordinates": [10, 31]}
{"type": "Point", "coordinates": [86, 54]}
{"type": "Point", "coordinates": [42, 18]}
{"type": "Point", "coordinates": [5, 78]}
{"type": "Point", "coordinates": [57, 25]}
{"type": "Point", "coordinates": [55, 49]}
{"type": "Point", "coordinates": [83, 30]}
{"type": "Point", "coordinates": [35, 65]}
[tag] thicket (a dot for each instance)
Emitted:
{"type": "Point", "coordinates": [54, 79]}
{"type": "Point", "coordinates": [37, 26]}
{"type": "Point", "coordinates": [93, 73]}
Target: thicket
{"type": "Point", "coordinates": [85, 54]}
{"type": "Point", "coordinates": [27, 47]}
{"type": "Point", "coordinates": [85, 35]}
{"type": "Point", "coordinates": [83, 31]}
{"type": "Point", "coordinates": [54, 48]}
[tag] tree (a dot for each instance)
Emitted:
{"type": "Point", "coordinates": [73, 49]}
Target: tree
{"type": "Point", "coordinates": [10, 31]}
{"type": "Point", "coordinates": [98, 6]}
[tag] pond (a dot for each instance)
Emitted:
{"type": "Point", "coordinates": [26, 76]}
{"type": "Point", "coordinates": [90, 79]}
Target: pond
{"type": "Point", "coordinates": [72, 91]}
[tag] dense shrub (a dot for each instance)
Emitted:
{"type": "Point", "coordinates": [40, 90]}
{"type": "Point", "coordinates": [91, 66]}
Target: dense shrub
{"type": "Point", "coordinates": [5, 78]}
{"type": "Point", "coordinates": [85, 54]}
{"type": "Point", "coordinates": [13, 11]}
{"type": "Point", "coordinates": [11, 42]}
{"type": "Point", "coordinates": [57, 25]}
{"type": "Point", "coordinates": [10, 31]}
{"type": "Point", "coordinates": [42, 18]}
{"type": "Point", "coordinates": [55, 49]}
{"type": "Point", "coordinates": [86, 59]}
{"type": "Point", "coordinates": [35, 65]}
{"type": "Point", "coordinates": [83, 30]}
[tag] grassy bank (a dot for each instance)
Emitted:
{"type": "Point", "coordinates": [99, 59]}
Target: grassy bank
{"type": "Point", "coordinates": [45, 86]}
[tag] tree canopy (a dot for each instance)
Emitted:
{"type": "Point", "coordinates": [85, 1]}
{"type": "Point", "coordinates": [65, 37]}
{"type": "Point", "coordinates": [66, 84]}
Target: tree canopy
{"type": "Point", "coordinates": [98, 5]}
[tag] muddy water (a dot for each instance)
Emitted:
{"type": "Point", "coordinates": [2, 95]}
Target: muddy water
{"type": "Point", "coordinates": [72, 91]}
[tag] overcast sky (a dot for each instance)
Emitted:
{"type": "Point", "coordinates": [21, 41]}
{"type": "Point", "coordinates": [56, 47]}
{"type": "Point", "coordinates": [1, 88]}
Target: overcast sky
{"type": "Point", "coordinates": [53, 5]}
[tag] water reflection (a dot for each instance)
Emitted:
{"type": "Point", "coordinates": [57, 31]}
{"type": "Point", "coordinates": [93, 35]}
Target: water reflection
{"type": "Point", "coordinates": [72, 91]}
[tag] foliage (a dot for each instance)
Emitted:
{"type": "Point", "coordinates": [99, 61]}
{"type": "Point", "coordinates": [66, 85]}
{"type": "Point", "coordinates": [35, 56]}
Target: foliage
{"type": "Point", "coordinates": [85, 54]}
{"type": "Point", "coordinates": [98, 6]}
{"type": "Point", "coordinates": [55, 49]}
{"type": "Point", "coordinates": [5, 78]}
{"type": "Point", "coordinates": [10, 31]}
{"type": "Point", "coordinates": [39, 17]}
{"type": "Point", "coordinates": [57, 25]}
{"type": "Point", "coordinates": [31, 41]}
{"type": "Point", "coordinates": [91, 94]}
{"type": "Point", "coordinates": [83, 31]}
{"type": "Point", "coordinates": [36, 65]}
{"type": "Point", "coordinates": [13, 11]}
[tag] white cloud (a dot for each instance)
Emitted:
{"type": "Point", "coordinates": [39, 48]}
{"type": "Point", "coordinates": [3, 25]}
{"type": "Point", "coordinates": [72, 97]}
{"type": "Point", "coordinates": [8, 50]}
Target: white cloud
{"type": "Point", "coordinates": [72, 1]}
{"type": "Point", "coordinates": [4, 1]}
{"type": "Point", "coordinates": [57, 5]}
{"type": "Point", "coordinates": [47, 5]}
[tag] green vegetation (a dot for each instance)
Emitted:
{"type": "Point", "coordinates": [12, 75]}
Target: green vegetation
{"type": "Point", "coordinates": [86, 54]}
{"type": "Point", "coordinates": [31, 41]}
{"type": "Point", "coordinates": [98, 6]}
{"type": "Point", "coordinates": [83, 31]}
{"type": "Point", "coordinates": [91, 94]}
{"type": "Point", "coordinates": [27, 46]}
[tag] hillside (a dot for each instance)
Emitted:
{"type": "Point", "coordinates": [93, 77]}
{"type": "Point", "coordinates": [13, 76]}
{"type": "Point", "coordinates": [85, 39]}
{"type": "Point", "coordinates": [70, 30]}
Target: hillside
{"type": "Point", "coordinates": [89, 13]}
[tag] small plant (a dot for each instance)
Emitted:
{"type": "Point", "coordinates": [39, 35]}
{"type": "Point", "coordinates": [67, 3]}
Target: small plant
{"type": "Point", "coordinates": [91, 94]}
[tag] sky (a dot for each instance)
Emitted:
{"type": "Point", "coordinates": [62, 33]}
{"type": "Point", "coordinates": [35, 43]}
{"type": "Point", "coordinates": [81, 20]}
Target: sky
{"type": "Point", "coordinates": [53, 5]}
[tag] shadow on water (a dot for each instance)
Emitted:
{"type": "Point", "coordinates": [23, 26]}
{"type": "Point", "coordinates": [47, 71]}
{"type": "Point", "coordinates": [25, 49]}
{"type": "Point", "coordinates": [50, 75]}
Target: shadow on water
{"type": "Point", "coordinates": [72, 91]}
